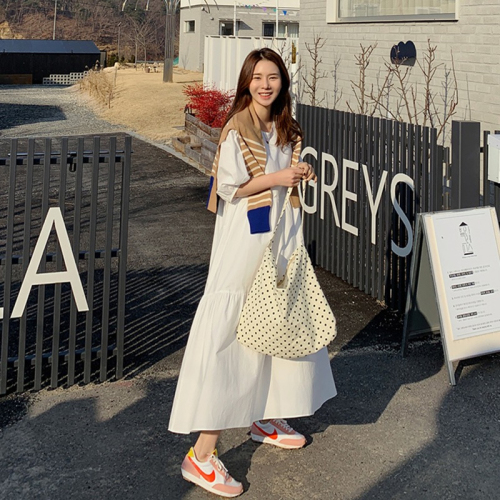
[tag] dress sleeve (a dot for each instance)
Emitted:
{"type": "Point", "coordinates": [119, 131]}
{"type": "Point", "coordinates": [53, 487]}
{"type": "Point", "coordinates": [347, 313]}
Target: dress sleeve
{"type": "Point", "coordinates": [232, 171]}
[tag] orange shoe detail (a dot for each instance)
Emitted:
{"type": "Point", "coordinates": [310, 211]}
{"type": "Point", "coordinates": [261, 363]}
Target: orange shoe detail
{"type": "Point", "coordinates": [208, 477]}
{"type": "Point", "coordinates": [272, 435]}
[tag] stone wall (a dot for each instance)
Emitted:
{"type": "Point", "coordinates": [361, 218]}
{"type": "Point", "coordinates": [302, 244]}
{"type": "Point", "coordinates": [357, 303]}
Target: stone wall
{"type": "Point", "coordinates": [199, 144]}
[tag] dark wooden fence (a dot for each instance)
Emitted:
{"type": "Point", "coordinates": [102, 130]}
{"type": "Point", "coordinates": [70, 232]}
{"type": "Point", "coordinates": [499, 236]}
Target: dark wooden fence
{"type": "Point", "coordinates": [374, 175]}
{"type": "Point", "coordinates": [51, 338]}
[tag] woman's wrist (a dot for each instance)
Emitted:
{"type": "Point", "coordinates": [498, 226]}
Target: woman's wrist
{"type": "Point", "coordinates": [273, 179]}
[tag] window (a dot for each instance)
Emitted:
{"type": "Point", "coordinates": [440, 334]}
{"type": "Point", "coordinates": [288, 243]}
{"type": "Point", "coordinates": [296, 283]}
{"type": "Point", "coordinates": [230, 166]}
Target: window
{"type": "Point", "coordinates": [293, 30]}
{"type": "Point", "coordinates": [226, 28]}
{"type": "Point", "coordinates": [285, 30]}
{"type": "Point", "coordinates": [189, 26]}
{"type": "Point", "coordinates": [268, 29]}
{"type": "Point", "coordinates": [391, 10]}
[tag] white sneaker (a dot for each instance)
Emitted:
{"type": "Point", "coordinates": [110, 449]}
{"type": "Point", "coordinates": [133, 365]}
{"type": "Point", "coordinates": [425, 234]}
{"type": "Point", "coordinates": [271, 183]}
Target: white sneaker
{"type": "Point", "coordinates": [278, 433]}
{"type": "Point", "coordinates": [210, 475]}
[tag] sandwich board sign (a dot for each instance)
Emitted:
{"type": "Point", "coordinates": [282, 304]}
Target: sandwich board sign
{"type": "Point", "coordinates": [454, 283]}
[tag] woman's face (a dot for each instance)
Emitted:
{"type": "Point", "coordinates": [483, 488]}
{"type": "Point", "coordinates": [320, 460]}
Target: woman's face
{"type": "Point", "coordinates": [266, 83]}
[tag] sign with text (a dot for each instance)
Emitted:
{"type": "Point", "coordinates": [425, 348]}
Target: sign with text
{"type": "Point", "coordinates": [461, 274]}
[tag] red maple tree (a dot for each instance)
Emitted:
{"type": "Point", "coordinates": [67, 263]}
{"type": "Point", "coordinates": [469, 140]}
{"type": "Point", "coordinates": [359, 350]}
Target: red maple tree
{"type": "Point", "coordinates": [209, 104]}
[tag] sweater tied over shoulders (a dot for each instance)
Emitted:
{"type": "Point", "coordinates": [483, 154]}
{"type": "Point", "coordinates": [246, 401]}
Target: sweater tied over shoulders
{"type": "Point", "coordinates": [247, 126]}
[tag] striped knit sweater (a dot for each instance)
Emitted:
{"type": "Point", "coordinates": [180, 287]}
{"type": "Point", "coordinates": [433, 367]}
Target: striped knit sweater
{"type": "Point", "coordinates": [247, 126]}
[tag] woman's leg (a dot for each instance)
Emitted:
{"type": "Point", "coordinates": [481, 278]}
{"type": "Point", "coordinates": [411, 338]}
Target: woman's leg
{"type": "Point", "coordinates": [205, 445]}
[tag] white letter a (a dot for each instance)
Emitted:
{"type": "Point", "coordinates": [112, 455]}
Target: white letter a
{"type": "Point", "coordinates": [71, 275]}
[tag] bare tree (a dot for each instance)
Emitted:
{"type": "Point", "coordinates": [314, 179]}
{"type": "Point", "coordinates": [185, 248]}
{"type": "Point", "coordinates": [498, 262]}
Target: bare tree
{"type": "Point", "coordinates": [337, 95]}
{"type": "Point", "coordinates": [422, 110]}
{"type": "Point", "coordinates": [315, 74]}
{"type": "Point", "coordinates": [140, 30]}
{"type": "Point", "coordinates": [359, 88]}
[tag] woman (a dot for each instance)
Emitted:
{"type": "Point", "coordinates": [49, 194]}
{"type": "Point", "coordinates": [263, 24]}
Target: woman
{"type": "Point", "coordinates": [223, 384]}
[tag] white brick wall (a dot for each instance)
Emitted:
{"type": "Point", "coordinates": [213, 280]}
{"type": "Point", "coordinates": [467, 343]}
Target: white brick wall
{"type": "Point", "coordinates": [474, 40]}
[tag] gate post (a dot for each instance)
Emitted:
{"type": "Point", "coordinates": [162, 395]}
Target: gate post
{"type": "Point", "coordinates": [465, 165]}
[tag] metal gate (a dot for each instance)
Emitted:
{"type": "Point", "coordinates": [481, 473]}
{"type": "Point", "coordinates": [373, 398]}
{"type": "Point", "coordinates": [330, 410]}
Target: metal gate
{"type": "Point", "coordinates": [63, 231]}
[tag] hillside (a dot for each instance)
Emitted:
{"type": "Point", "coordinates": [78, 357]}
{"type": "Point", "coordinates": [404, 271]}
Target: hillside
{"type": "Point", "coordinates": [137, 29]}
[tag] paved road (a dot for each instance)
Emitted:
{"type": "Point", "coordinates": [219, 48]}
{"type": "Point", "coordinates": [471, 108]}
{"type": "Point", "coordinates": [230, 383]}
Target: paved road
{"type": "Point", "coordinates": [397, 430]}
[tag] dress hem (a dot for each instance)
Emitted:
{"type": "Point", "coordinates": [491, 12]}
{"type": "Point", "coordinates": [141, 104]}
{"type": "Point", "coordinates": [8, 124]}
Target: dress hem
{"type": "Point", "coordinates": [265, 417]}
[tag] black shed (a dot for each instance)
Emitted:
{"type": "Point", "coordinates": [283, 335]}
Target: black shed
{"type": "Point", "coordinates": [28, 61]}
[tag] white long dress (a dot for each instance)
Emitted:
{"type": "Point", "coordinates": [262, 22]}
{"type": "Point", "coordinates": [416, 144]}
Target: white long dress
{"type": "Point", "coordinates": [223, 384]}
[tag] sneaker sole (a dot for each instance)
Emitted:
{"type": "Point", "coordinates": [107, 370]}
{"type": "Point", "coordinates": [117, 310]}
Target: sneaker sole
{"type": "Point", "coordinates": [199, 482]}
{"type": "Point", "coordinates": [274, 442]}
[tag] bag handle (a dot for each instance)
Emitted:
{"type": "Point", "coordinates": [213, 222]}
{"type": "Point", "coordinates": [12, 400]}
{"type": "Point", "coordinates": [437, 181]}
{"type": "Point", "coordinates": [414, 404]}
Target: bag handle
{"type": "Point", "coordinates": [285, 203]}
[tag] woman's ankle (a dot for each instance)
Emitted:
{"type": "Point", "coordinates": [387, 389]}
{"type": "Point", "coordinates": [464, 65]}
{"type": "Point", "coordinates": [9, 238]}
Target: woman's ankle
{"type": "Point", "coordinates": [201, 455]}
{"type": "Point", "coordinates": [205, 445]}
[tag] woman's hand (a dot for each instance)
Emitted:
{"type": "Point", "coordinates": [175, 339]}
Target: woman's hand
{"type": "Point", "coordinates": [307, 172]}
{"type": "Point", "coordinates": [289, 177]}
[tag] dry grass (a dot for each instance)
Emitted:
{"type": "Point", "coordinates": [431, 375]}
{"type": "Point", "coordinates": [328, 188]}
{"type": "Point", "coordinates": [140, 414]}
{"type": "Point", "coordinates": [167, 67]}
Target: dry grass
{"type": "Point", "coordinates": [99, 86]}
{"type": "Point", "coordinates": [141, 102]}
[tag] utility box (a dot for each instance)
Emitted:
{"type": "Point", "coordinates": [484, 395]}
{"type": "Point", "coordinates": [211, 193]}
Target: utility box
{"type": "Point", "coordinates": [494, 158]}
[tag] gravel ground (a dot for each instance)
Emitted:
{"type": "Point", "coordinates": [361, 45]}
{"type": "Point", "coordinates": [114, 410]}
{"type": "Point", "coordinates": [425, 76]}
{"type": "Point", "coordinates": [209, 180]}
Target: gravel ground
{"type": "Point", "coordinates": [38, 111]}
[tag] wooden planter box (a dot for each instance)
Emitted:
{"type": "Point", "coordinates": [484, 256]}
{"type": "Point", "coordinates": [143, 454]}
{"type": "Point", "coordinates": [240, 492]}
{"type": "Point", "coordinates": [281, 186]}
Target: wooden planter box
{"type": "Point", "coordinates": [200, 143]}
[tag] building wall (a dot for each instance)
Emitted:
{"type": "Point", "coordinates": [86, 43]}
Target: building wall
{"type": "Point", "coordinates": [473, 39]}
{"type": "Point", "coordinates": [207, 19]}
{"type": "Point", "coordinates": [41, 65]}
{"type": "Point", "coordinates": [190, 54]}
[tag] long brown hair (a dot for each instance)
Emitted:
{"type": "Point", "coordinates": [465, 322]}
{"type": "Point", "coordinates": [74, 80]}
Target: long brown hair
{"type": "Point", "coordinates": [287, 127]}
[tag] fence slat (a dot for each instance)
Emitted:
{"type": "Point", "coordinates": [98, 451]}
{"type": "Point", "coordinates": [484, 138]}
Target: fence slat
{"type": "Point", "coordinates": [343, 154]}
{"type": "Point", "coordinates": [484, 169]}
{"type": "Point", "coordinates": [122, 262]}
{"type": "Point", "coordinates": [364, 226]}
{"type": "Point", "coordinates": [406, 130]}
{"type": "Point", "coordinates": [107, 260]}
{"type": "Point", "coordinates": [370, 161]}
{"type": "Point", "coordinates": [410, 206]}
{"type": "Point", "coordinates": [349, 182]}
{"type": "Point", "coordinates": [56, 327]}
{"type": "Point", "coordinates": [418, 168]}
{"type": "Point", "coordinates": [21, 350]}
{"type": "Point", "coordinates": [89, 323]}
{"type": "Point", "coordinates": [355, 210]}
{"type": "Point", "coordinates": [381, 240]}
{"type": "Point", "coordinates": [338, 134]}
{"type": "Point", "coordinates": [425, 170]}
{"type": "Point", "coordinates": [375, 248]}
{"type": "Point", "coordinates": [40, 323]}
{"type": "Point", "coordinates": [76, 245]}
{"type": "Point", "coordinates": [392, 232]}
{"type": "Point", "coordinates": [8, 268]}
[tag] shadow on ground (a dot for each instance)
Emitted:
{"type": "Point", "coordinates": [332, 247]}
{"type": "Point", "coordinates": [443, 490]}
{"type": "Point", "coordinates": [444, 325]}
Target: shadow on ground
{"type": "Point", "coordinates": [91, 452]}
{"type": "Point", "coordinates": [160, 307]}
{"type": "Point", "coordinates": [14, 115]}
{"type": "Point", "coordinates": [460, 462]}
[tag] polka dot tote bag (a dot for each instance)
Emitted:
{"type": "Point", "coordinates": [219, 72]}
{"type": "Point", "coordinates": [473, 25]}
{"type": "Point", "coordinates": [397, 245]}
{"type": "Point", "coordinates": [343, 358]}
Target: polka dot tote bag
{"type": "Point", "coordinates": [287, 318]}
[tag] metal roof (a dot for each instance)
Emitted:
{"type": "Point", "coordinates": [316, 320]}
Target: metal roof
{"type": "Point", "coordinates": [48, 46]}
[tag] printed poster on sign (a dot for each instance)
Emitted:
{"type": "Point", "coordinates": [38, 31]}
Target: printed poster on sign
{"type": "Point", "coordinates": [470, 263]}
